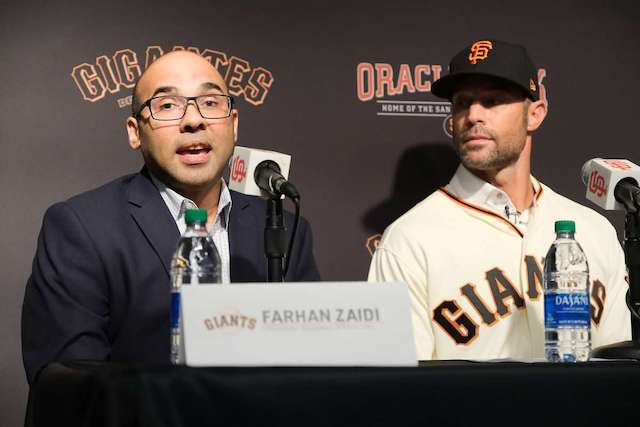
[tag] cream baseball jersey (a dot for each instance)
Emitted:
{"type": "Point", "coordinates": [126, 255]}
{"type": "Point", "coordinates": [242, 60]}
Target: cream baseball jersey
{"type": "Point", "coordinates": [475, 277]}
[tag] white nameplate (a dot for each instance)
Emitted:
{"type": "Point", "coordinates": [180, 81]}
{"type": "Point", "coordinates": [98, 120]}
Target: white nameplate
{"type": "Point", "coordinates": [298, 324]}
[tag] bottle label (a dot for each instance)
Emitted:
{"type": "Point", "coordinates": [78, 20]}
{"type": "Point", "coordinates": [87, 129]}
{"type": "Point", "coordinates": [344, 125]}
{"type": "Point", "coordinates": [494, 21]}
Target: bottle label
{"type": "Point", "coordinates": [566, 310]}
{"type": "Point", "coordinates": [175, 309]}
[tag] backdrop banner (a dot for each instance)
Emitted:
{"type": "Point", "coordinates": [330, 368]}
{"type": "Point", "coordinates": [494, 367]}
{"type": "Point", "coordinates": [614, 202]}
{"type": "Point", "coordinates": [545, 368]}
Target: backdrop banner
{"type": "Point", "coordinates": [344, 88]}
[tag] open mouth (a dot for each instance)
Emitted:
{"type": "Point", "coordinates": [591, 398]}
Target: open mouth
{"type": "Point", "coordinates": [194, 150]}
{"type": "Point", "coordinates": [194, 154]}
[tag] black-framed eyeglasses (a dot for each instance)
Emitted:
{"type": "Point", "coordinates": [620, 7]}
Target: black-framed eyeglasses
{"type": "Point", "coordinates": [174, 107]}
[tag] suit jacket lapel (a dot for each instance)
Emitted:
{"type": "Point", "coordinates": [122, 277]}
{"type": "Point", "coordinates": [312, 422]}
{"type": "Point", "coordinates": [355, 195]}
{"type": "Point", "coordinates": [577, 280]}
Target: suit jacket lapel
{"type": "Point", "coordinates": [153, 217]}
{"type": "Point", "coordinates": [245, 240]}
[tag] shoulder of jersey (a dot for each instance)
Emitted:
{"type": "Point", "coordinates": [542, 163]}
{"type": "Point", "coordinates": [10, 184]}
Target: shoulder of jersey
{"type": "Point", "coordinates": [575, 211]}
{"type": "Point", "coordinates": [432, 214]}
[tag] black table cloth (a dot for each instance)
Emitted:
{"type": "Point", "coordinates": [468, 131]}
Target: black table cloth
{"type": "Point", "coordinates": [455, 393]}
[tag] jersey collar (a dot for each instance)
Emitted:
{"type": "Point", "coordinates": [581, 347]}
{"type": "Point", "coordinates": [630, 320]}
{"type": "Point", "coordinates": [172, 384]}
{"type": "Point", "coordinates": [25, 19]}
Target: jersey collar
{"type": "Point", "coordinates": [478, 192]}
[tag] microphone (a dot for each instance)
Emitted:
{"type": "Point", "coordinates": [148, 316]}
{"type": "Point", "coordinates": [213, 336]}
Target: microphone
{"type": "Point", "coordinates": [268, 177]}
{"type": "Point", "coordinates": [269, 170]}
{"type": "Point", "coordinates": [612, 184]}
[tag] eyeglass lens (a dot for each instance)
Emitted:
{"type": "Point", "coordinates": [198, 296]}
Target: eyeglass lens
{"type": "Point", "coordinates": [172, 107]}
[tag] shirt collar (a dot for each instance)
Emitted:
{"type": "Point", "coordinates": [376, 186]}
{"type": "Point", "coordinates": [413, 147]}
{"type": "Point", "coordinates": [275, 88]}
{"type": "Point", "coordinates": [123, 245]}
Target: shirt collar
{"type": "Point", "coordinates": [478, 192]}
{"type": "Point", "coordinates": [178, 204]}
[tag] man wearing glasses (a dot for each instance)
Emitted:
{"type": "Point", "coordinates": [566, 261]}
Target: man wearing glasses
{"type": "Point", "coordinates": [99, 288]}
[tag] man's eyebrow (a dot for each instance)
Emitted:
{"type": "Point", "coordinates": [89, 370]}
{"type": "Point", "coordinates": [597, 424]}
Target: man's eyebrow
{"type": "Point", "coordinates": [164, 89]}
{"type": "Point", "coordinates": [211, 85]}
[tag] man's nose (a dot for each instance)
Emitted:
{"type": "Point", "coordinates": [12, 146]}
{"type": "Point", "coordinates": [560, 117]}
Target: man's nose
{"type": "Point", "coordinates": [477, 112]}
{"type": "Point", "coordinates": [192, 119]}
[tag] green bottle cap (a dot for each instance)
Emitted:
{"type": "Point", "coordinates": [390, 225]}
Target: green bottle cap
{"type": "Point", "coordinates": [565, 226]}
{"type": "Point", "coordinates": [195, 215]}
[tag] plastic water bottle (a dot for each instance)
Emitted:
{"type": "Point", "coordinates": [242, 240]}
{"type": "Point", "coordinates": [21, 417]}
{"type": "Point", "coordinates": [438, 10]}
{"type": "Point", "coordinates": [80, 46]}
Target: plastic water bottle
{"type": "Point", "coordinates": [195, 262]}
{"type": "Point", "coordinates": [567, 316]}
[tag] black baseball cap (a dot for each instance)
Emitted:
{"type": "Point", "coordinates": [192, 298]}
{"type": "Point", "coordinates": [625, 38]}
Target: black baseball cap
{"type": "Point", "coordinates": [492, 58]}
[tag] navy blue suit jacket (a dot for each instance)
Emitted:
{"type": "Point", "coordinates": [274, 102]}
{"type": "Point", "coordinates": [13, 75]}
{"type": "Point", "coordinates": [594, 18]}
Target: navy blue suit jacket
{"type": "Point", "coordinates": [99, 287]}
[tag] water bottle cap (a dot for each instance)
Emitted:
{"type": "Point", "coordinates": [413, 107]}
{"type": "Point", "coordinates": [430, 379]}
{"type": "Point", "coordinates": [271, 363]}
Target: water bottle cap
{"type": "Point", "coordinates": [565, 226]}
{"type": "Point", "coordinates": [195, 215]}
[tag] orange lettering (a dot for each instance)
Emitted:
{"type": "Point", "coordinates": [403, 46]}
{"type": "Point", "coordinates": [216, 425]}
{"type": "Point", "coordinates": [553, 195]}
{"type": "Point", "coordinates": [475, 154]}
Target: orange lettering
{"type": "Point", "coordinates": [86, 78]}
{"type": "Point", "coordinates": [237, 69]}
{"type": "Point", "coordinates": [422, 83]}
{"type": "Point", "coordinates": [258, 86]}
{"type": "Point", "coordinates": [405, 80]}
{"type": "Point", "coordinates": [542, 73]}
{"type": "Point", "coordinates": [127, 67]}
{"type": "Point", "coordinates": [384, 74]}
{"type": "Point", "coordinates": [106, 73]}
{"type": "Point", "coordinates": [217, 59]}
{"type": "Point", "coordinates": [365, 81]}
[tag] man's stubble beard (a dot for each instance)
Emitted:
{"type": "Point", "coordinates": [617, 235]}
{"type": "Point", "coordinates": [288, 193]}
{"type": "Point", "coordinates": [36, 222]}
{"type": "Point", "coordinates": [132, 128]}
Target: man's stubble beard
{"type": "Point", "coordinates": [500, 156]}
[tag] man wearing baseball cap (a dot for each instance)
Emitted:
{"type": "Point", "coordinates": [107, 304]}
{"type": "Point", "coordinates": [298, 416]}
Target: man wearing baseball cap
{"type": "Point", "coordinates": [472, 252]}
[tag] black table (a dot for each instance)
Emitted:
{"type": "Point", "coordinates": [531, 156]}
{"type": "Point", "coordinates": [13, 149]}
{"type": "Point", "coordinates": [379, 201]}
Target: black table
{"type": "Point", "coordinates": [455, 393]}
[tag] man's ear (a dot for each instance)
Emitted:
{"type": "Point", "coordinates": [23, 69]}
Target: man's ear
{"type": "Point", "coordinates": [234, 117]}
{"type": "Point", "coordinates": [133, 132]}
{"type": "Point", "coordinates": [536, 113]}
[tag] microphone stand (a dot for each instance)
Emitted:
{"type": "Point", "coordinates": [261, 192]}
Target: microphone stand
{"type": "Point", "coordinates": [275, 239]}
{"type": "Point", "coordinates": [630, 198]}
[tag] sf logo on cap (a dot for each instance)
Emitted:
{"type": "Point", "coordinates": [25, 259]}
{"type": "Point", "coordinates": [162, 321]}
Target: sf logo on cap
{"type": "Point", "coordinates": [479, 51]}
